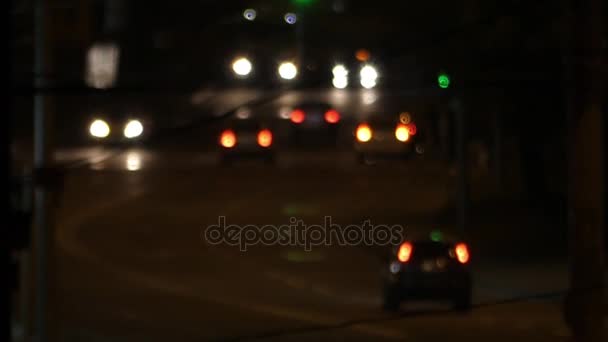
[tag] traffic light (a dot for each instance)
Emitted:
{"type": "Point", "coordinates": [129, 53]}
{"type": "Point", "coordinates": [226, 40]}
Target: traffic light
{"type": "Point", "coordinates": [443, 80]}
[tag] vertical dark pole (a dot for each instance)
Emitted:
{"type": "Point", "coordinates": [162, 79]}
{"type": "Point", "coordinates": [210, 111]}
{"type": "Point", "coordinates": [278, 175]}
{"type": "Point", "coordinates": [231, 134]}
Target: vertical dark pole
{"type": "Point", "coordinates": [42, 230]}
{"type": "Point", "coordinates": [5, 159]}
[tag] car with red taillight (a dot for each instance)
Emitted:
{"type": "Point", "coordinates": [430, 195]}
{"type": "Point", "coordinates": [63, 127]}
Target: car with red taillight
{"type": "Point", "coordinates": [385, 137]}
{"type": "Point", "coordinates": [428, 270]}
{"type": "Point", "coordinates": [246, 139]}
{"type": "Point", "coordinates": [313, 123]}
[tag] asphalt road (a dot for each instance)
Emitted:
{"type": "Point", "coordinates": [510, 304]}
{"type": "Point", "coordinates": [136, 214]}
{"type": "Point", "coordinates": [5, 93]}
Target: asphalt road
{"type": "Point", "coordinates": [133, 264]}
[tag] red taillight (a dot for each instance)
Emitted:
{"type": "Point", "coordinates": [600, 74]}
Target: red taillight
{"type": "Point", "coordinates": [462, 253]}
{"type": "Point", "coordinates": [265, 138]}
{"type": "Point", "coordinates": [297, 116]}
{"type": "Point", "coordinates": [405, 252]}
{"type": "Point", "coordinates": [411, 127]}
{"type": "Point", "coordinates": [332, 116]}
{"type": "Point", "coordinates": [228, 139]}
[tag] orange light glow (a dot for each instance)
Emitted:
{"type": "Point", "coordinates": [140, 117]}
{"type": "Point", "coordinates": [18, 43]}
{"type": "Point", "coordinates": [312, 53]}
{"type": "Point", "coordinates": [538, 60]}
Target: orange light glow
{"type": "Point", "coordinates": [402, 133]}
{"type": "Point", "coordinates": [297, 116]}
{"type": "Point", "coordinates": [228, 139]}
{"type": "Point", "coordinates": [462, 253]}
{"type": "Point", "coordinates": [332, 116]}
{"type": "Point", "coordinates": [405, 252]}
{"type": "Point", "coordinates": [362, 55]}
{"type": "Point", "coordinates": [364, 133]}
{"type": "Point", "coordinates": [265, 138]}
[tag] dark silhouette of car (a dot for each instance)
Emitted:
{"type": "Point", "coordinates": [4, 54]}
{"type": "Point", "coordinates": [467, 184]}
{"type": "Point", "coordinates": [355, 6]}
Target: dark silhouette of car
{"type": "Point", "coordinates": [426, 269]}
{"type": "Point", "coordinates": [246, 139]}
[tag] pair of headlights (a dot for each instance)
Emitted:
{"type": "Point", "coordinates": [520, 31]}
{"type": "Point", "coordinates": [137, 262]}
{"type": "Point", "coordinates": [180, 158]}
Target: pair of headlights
{"type": "Point", "coordinates": [100, 129]}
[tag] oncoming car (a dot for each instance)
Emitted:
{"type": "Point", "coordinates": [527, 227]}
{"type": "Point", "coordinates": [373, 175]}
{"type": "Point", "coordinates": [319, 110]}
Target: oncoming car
{"type": "Point", "coordinates": [118, 130]}
{"type": "Point", "coordinates": [426, 269]}
{"type": "Point", "coordinates": [382, 136]}
{"type": "Point", "coordinates": [246, 139]}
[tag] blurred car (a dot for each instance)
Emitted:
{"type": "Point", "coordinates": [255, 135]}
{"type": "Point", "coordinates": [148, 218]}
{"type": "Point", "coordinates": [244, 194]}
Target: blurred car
{"type": "Point", "coordinates": [424, 269]}
{"type": "Point", "coordinates": [118, 129]}
{"type": "Point", "coordinates": [246, 139]}
{"type": "Point", "coordinates": [313, 123]}
{"type": "Point", "coordinates": [382, 136]}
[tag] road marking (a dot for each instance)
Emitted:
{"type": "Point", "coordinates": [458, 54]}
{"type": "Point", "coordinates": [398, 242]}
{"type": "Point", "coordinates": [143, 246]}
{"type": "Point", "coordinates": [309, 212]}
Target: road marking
{"type": "Point", "coordinates": [67, 238]}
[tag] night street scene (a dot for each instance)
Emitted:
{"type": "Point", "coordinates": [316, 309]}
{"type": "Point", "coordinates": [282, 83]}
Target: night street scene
{"type": "Point", "coordinates": [305, 170]}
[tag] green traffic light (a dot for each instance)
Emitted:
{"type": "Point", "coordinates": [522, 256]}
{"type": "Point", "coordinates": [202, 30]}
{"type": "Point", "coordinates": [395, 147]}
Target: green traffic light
{"type": "Point", "coordinates": [444, 81]}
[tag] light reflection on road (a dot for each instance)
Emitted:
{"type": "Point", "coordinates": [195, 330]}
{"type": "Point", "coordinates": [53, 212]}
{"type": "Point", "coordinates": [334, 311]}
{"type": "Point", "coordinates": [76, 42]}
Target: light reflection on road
{"type": "Point", "coordinates": [133, 161]}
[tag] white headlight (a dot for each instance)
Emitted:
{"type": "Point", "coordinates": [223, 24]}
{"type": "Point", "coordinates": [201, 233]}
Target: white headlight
{"type": "Point", "coordinates": [242, 67]}
{"type": "Point", "coordinates": [288, 71]}
{"type": "Point", "coordinates": [369, 72]}
{"type": "Point", "coordinates": [99, 129]}
{"type": "Point", "coordinates": [368, 83]}
{"type": "Point", "coordinates": [340, 71]}
{"type": "Point", "coordinates": [340, 82]}
{"type": "Point", "coordinates": [133, 129]}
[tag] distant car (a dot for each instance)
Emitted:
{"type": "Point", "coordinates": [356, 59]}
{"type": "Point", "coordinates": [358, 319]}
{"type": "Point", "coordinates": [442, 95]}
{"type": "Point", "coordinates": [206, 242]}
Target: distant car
{"type": "Point", "coordinates": [313, 123]}
{"type": "Point", "coordinates": [118, 129]}
{"type": "Point", "coordinates": [246, 139]}
{"type": "Point", "coordinates": [386, 137]}
{"type": "Point", "coordinates": [428, 270]}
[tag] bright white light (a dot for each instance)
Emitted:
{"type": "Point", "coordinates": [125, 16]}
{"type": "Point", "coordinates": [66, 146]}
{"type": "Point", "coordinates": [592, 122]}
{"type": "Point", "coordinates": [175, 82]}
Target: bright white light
{"type": "Point", "coordinates": [133, 161]}
{"type": "Point", "coordinates": [291, 18]}
{"type": "Point", "coordinates": [340, 82]}
{"type": "Point", "coordinates": [102, 65]}
{"type": "Point", "coordinates": [242, 66]}
{"type": "Point", "coordinates": [288, 71]}
{"type": "Point", "coordinates": [133, 129]}
{"type": "Point", "coordinates": [99, 129]}
{"type": "Point", "coordinates": [369, 98]}
{"type": "Point", "coordinates": [250, 14]}
{"type": "Point", "coordinates": [340, 71]}
{"type": "Point", "coordinates": [368, 83]}
{"type": "Point", "coordinates": [369, 72]}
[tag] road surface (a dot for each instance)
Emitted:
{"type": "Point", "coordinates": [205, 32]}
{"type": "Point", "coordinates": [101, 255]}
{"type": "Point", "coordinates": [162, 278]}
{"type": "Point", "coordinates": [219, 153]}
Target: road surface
{"type": "Point", "coordinates": [133, 263]}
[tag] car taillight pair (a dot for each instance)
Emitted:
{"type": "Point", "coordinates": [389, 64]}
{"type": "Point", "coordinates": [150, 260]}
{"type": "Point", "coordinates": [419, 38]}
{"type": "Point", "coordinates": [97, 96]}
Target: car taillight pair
{"type": "Point", "coordinates": [403, 132]}
{"type": "Point", "coordinates": [461, 252]}
{"type": "Point", "coordinates": [228, 138]}
{"type": "Point", "coordinates": [331, 116]}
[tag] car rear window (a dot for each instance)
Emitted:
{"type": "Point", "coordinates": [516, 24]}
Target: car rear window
{"type": "Point", "coordinates": [430, 250]}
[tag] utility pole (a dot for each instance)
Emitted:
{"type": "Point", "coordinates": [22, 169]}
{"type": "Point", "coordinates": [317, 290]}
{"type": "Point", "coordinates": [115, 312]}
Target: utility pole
{"type": "Point", "coordinates": [585, 82]}
{"type": "Point", "coordinates": [42, 225]}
